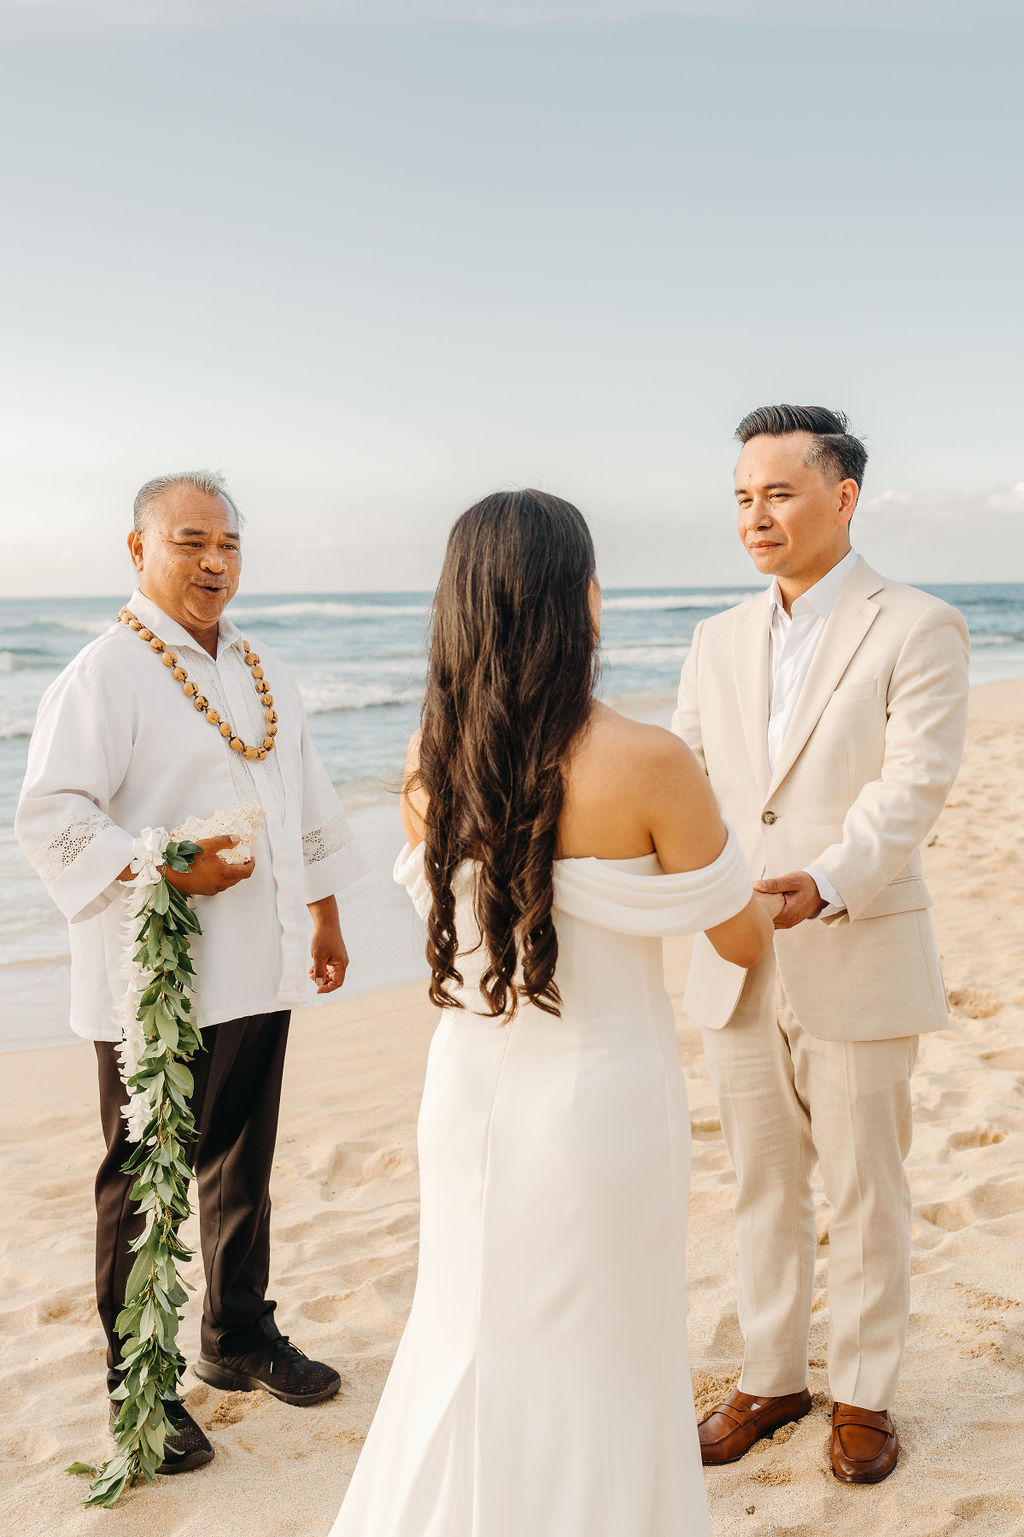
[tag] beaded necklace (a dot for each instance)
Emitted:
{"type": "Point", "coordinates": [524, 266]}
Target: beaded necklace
{"type": "Point", "coordinates": [169, 659]}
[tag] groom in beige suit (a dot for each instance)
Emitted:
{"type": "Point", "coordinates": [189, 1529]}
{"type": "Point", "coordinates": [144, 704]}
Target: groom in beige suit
{"type": "Point", "coordinates": [829, 713]}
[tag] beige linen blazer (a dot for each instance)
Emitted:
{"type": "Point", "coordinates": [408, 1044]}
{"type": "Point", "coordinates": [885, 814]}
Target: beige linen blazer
{"type": "Point", "coordinates": [870, 752]}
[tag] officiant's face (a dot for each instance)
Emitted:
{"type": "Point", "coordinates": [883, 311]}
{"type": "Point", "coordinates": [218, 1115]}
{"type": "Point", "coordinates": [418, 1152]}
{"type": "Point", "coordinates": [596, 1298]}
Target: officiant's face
{"type": "Point", "coordinates": [793, 521]}
{"type": "Point", "coordinates": [189, 556]}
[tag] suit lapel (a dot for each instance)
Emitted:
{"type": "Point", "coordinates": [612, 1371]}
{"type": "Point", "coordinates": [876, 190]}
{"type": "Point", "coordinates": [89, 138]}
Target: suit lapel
{"type": "Point", "coordinates": [751, 663]}
{"type": "Point", "coordinates": [845, 628]}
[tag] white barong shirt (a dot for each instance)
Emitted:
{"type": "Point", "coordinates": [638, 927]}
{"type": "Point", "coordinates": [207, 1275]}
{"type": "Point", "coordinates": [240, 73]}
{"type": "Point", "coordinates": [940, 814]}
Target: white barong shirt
{"type": "Point", "coordinates": [118, 747]}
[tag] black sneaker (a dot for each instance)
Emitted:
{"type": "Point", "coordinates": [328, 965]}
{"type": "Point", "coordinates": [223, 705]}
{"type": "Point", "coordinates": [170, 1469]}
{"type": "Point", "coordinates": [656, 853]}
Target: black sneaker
{"type": "Point", "coordinates": [277, 1366]}
{"type": "Point", "coordinates": [186, 1448]}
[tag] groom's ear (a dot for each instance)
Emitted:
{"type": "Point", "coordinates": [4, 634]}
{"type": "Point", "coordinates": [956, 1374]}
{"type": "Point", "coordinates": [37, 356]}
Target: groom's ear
{"type": "Point", "coordinates": [135, 548]}
{"type": "Point", "coordinates": [849, 491]}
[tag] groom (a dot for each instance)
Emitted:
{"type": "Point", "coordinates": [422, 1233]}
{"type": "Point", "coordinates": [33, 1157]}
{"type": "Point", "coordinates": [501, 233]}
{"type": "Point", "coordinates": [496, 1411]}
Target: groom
{"type": "Point", "coordinates": [829, 713]}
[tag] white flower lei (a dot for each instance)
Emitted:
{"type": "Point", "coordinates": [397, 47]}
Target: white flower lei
{"type": "Point", "coordinates": [243, 822]}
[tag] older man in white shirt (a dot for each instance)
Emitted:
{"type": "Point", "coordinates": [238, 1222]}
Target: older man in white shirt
{"type": "Point", "coordinates": [829, 712]}
{"type": "Point", "coordinates": [131, 737]}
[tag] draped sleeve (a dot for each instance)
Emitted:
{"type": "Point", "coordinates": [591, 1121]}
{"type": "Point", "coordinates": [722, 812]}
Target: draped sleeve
{"type": "Point", "coordinates": [601, 892]}
{"type": "Point", "coordinates": [408, 872]}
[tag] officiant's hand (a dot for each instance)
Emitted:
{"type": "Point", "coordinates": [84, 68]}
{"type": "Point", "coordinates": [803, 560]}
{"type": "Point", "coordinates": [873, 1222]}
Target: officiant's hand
{"type": "Point", "coordinates": [330, 957]}
{"type": "Point", "coordinates": [210, 875]}
{"type": "Point", "coordinates": [801, 897]}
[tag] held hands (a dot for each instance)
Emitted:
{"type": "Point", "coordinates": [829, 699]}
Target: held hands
{"type": "Point", "coordinates": [800, 898]}
{"type": "Point", "coordinates": [330, 957]}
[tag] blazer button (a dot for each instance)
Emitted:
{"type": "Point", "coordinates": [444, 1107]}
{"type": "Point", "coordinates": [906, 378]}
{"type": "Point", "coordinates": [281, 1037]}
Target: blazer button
{"type": "Point", "coordinates": [768, 817]}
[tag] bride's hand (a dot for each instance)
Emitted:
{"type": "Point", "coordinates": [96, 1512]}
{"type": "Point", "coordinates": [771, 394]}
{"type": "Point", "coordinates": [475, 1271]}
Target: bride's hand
{"type": "Point", "coordinates": [772, 902]}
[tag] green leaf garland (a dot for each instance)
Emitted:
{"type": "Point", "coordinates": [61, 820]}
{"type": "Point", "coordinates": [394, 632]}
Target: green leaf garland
{"type": "Point", "coordinates": [154, 1294]}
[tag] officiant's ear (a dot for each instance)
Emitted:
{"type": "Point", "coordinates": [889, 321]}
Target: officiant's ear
{"type": "Point", "coordinates": [135, 549]}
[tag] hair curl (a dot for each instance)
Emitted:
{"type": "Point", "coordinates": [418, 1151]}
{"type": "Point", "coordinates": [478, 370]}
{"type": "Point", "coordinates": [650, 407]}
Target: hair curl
{"type": "Point", "coordinates": [511, 677]}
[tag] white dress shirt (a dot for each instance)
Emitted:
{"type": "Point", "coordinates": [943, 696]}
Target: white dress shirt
{"type": "Point", "coordinates": [794, 640]}
{"type": "Point", "coordinates": [118, 747]}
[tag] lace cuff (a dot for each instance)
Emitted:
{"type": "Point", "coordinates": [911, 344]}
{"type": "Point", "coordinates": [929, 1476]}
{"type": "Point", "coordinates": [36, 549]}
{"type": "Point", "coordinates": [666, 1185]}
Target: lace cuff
{"type": "Point", "coordinates": [331, 858]}
{"type": "Point", "coordinates": [69, 844]}
{"type": "Point", "coordinates": [324, 841]}
{"type": "Point", "coordinates": [80, 863]}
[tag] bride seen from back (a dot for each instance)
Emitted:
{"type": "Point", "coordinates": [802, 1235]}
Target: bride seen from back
{"type": "Point", "coordinates": [542, 1383]}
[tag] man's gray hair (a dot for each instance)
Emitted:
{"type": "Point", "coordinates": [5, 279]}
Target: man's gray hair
{"type": "Point", "coordinates": [210, 481]}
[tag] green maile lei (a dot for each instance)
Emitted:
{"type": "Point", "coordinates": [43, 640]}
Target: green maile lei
{"type": "Point", "coordinates": [161, 1087]}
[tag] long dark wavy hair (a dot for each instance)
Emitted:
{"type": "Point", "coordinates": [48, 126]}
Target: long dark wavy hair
{"type": "Point", "coordinates": [513, 665]}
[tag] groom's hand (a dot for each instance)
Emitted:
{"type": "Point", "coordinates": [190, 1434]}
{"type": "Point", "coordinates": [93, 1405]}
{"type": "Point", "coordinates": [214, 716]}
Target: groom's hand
{"type": "Point", "coordinates": [801, 897]}
{"type": "Point", "coordinates": [328, 950]}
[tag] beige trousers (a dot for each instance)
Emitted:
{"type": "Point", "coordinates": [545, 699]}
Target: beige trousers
{"type": "Point", "coordinates": [788, 1101]}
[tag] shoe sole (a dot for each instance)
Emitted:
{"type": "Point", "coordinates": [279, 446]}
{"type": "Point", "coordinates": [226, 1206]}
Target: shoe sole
{"type": "Point", "coordinates": [863, 1478]}
{"type": "Point", "coordinates": [197, 1459]}
{"type": "Point", "coordinates": [791, 1419]}
{"type": "Point", "coordinates": [233, 1382]}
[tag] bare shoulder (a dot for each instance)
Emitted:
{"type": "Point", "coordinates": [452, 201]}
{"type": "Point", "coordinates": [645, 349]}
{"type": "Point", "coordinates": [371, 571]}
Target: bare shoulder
{"type": "Point", "coordinates": [633, 789]}
{"type": "Point", "coordinates": [414, 801]}
{"type": "Point", "coordinates": [412, 752]}
{"type": "Point", "coordinates": [618, 748]}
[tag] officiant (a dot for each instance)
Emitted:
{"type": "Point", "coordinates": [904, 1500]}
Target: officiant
{"type": "Point", "coordinates": [172, 714]}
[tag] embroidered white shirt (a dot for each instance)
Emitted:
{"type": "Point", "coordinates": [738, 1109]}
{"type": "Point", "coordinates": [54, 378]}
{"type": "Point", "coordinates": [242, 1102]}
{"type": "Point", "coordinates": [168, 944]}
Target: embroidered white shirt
{"type": "Point", "coordinates": [117, 747]}
{"type": "Point", "coordinates": [794, 638]}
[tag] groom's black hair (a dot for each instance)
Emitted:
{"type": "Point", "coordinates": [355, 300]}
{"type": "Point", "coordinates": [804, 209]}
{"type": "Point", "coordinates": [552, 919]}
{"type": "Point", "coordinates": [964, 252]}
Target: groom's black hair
{"type": "Point", "coordinates": [836, 451]}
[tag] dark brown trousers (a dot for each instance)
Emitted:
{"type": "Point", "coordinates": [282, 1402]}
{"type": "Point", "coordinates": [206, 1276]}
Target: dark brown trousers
{"type": "Point", "coordinates": [235, 1104]}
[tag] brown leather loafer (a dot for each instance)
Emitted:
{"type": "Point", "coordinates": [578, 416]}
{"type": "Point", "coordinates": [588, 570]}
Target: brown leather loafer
{"type": "Point", "coordinates": [732, 1428]}
{"type": "Point", "coordinates": [864, 1444]}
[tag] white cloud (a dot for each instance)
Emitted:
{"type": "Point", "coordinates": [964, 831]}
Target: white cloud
{"type": "Point", "coordinates": [84, 16]}
{"type": "Point", "coordinates": [900, 506]}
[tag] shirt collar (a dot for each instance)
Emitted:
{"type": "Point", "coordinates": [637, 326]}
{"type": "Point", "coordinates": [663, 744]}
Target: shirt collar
{"type": "Point", "coordinates": [174, 634]}
{"type": "Point", "coordinates": [822, 596]}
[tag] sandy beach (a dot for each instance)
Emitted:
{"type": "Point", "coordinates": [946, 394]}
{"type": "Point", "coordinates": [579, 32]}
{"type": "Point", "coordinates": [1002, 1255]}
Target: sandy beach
{"type": "Point", "coordinates": [345, 1230]}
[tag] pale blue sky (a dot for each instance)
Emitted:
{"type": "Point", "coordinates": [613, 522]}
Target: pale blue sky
{"type": "Point", "coordinates": [372, 269]}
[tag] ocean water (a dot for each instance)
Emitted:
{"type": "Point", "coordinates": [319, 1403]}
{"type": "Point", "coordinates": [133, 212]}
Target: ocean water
{"type": "Point", "coordinates": [359, 662]}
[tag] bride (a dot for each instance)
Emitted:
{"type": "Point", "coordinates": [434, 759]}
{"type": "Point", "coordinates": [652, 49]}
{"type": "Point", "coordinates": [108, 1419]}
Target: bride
{"type": "Point", "coordinates": [542, 1387]}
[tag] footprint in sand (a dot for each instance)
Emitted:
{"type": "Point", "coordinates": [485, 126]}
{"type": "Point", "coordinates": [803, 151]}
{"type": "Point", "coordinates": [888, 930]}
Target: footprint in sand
{"type": "Point", "coordinates": [950, 1215]}
{"type": "Point", "coordinates": [1011, 1061]}
{"type": "Point", "coordinates": [980, 1136]}
{"type": "Point", "coordinates": [63, 1191]}
{"type": "Point", "coordinates": [974, 1002]}
{"type": "Point", "coordinates": [1001, 1513]}
{"type": "Point", "coordinates": [67, 1310]}
{"type": "Point", "coordinates": [387, 1163]}
{"type": "Point", "coordinates": [990, 1302]}
{"type": "Point", "coordinates": [234, 1407]}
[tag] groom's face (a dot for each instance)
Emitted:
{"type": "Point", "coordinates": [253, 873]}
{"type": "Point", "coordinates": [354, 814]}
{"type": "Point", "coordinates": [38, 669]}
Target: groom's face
{"type": "Point", "coordinates": [791, 519]}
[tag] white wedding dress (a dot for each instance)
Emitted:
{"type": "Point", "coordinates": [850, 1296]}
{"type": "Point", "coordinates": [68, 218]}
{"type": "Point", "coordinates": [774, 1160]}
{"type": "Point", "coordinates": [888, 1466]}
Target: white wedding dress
{"type": "Point", "coordinates": [542, 1385]}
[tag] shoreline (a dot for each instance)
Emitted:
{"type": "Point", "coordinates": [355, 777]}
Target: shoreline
{"type": "Point", "coordinates": [380, 929]}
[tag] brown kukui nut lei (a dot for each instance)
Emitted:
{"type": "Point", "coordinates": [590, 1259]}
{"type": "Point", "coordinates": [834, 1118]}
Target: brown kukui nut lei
{"type": "Point", "coordinates": [169, 659]}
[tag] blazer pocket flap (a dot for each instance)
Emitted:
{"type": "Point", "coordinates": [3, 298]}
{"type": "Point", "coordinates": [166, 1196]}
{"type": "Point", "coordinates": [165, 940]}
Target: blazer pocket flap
{"type": "Point", "coordinates": [860, 688]}
{"type": "Point", "coordinates": [900, 896]}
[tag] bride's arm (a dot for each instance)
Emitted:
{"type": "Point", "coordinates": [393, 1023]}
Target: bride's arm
{"type": "Point", "coordinates": [414, 800]}
{"type": "Point", "coordinates": [689, 834]}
